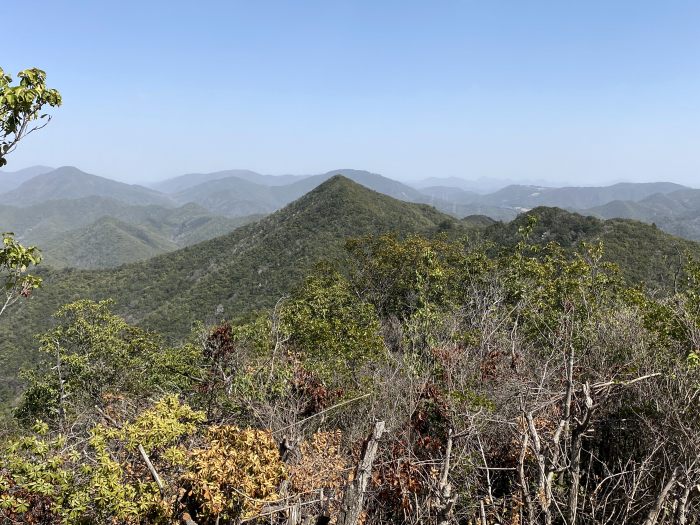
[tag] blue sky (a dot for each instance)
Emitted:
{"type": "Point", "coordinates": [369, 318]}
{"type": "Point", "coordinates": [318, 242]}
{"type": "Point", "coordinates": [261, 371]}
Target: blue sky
{"type": "Point", "coordinates": [576, 92]}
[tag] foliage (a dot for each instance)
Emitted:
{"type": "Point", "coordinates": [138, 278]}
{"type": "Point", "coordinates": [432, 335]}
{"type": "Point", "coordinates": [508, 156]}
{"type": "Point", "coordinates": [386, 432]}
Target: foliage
{"type": "Point", "coordinates": [91, 355]}
{"type": "Point", "coordinates": [322, 465]}
{"type": "Point", "coordinates": [525, 382]}
{"type": "Point", "coordinates": [235, 473]}
{"type": "Point", "coordinates": [333, 332]}
{"type": "Point", "coordinates": [15, 260]}
{"type": "Point", "coordinates": [21, 106]}
{"type": "Point", "coordinates": [53, 478]}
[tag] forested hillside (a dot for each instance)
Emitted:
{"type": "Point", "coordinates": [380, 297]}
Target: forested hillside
{"type": "Point", "coordinates": [247, 269]}
{"type": "Point", "coordinates": [253, 266]}
{"type": "Point", "coordinates": [421, 378]}
{"type": "Point", "coordinates": [677, 212]}
{"type": "Point", "coordinates": [78, 232]}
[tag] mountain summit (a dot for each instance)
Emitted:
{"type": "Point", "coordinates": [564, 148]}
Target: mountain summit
{"type": "Point", "coordinates": [69, 182]}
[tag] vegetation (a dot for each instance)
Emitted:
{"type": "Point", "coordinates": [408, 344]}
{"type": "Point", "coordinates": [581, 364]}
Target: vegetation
{"type": "Point", "coordinates": [677, 212]}
{"type": "Point", "coordinates": [252, 267]}
{"type": "Point", "coordinates": [15, 260]}
{"type": "Point", "coordinates": [232, 275]}
{"type": "Point", "coordinates": [503, 372]}
{"type": "Point", "coordinates": [21, 107]}
{"type": "Point", "coordinates": [97, 232]}
{"type": "Point", "coordinates": [349, 359]}
{"type": "Point", "coordinates": [529, 384]}
{"type": "Point", "coordinates": [643, 253]}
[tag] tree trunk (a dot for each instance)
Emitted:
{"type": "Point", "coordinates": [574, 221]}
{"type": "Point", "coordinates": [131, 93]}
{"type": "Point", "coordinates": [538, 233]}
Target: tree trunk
{"type": "Point", "coordinates": [353, 499]}
{"type": "Point", "coordinates": [661, 499]}
{"type": "Point", "coordinates": [447, 501]}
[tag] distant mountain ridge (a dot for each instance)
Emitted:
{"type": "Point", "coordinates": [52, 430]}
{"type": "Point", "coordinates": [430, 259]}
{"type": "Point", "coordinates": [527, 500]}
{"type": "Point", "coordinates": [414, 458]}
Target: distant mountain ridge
{"type": "Point", "coordinates": [238, 193]}
{"type": "Point", "coordinates": [55, 224]}
{"type": "Point", "coordinates": [9, 180]}
{"type": "Point", "coordinates": [190, 180]}
{"type": "Point", "coordinates": [676, 212]}
{"type": "Point", "coordinates": [69, 182]}
{"type": "Point", "coordinates": [573, 197]}
{"type": "Point", "coordinates": [234, 196]}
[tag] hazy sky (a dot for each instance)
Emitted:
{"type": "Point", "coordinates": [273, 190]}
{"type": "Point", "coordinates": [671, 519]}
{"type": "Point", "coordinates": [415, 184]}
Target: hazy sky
{"type": "Point", "coordinates": [571, 91]}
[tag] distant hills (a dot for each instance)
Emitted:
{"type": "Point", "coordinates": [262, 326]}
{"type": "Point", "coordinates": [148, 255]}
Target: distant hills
{"type": "Point", "coordinates": [9, 180]}
{"type": "Point", "coordinates": [575, 198]}
{"type": "Point", "coordinates": [86, 221]}
{"type": "Point", "coordinates": [178, 184]}
{"type": "Point", "coordinates": [61, 207]}
{"type": "Point", "coordinates": [71, 183]}
{"type": "Point", "coordinates": [677, 212]}
{"type": "Point", "coordinates": [82, 232]}
{"type": "Point", "coordinates": [243, 194]}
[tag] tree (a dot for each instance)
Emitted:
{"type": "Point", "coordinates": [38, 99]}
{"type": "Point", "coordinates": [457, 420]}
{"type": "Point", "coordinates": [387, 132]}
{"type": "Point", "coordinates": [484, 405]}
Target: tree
{"type": "Point", "coordinates": [20, 115]}
{"type": "Point", "coordinates": [15, 259]}
{"type": "Point", "coordinates": [21, 107]}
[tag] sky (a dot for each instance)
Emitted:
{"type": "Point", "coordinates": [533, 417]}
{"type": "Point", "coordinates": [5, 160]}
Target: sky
{"type": "Point", "coordinates": [572, 92]}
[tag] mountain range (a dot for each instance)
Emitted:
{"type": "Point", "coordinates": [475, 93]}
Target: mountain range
{"type": "Point", "coordinates": [81, 232]}
{"type": "Point", "coordinates": [254, 265]}
{"type": "Point", "coordinates": [66, 210]}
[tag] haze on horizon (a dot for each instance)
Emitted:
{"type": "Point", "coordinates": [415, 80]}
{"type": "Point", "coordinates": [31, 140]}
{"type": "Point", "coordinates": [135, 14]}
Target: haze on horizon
{"type": "Point", "coordinates": [582, 94]}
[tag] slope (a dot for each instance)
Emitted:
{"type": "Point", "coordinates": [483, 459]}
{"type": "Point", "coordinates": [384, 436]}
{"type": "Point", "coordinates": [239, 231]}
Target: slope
{"type": "Point", "coordinates": [105, 243]}
{"type": "Point", "coordinates": [9, 180]}
{"type": "Point", "coordinates": [575, 198]}
{"type": "Point", "coordinates": [247, 269]}
{"type": "Point", "coordinates": [71, 183]}
{"type": "Point", "coordinates": [644, 253]}
{"type": "Point", "coordinates": [236, 196]}
{"type": "Point", "coordinates": [233, 197]}
{"type": "Point", "coordinates": [677, 213]}
{"type": "Point", "coordinates": [190, 180]}
{"type": "Point", "coordinates": [54, 223]}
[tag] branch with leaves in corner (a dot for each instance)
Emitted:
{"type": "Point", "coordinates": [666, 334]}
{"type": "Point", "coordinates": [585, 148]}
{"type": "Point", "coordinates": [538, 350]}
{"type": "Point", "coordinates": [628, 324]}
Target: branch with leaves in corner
{"type": "Point", "coordinates": [15, 260]}
{"type": "Point", "coordinates": [21, 107]}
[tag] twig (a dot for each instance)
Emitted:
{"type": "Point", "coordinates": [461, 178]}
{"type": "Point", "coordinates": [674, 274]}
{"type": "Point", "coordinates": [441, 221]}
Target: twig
{"type": "Point", "coordinates": [342, 403]}
{"type": "Point", "coordinates": [150, 466]}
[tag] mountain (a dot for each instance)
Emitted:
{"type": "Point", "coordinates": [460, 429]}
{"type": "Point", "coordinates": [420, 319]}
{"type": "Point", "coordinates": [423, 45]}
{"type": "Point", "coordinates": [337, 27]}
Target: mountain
{"type": "Point", "coordinates": [374, 181]}
{"type": "Point", "coordinates": [71, 183]}
{"type": "Point", "coordinates": [461, 203]}
{"type": "Point", "coordinates": [242, 192]}
{"type": "Point", "coordinates": [450, 194]}
{"type": "Point", "coordinates": [643, 252]}
{"type": "Point", "coordinates": [246, 269]}
{"type": "Point", "coordinates": [676, 212]}
{"type": "Point", "coordinates": [254, 265]}
{"type": "Point", "coordinates": [521, 197]}
{"type": "Point", "coordinates": [53, 225]}
{"type": "Point", "coordinates": [105, 243]}
{"type": "Point", "coordinates": [9, 180]}
{"type": "Point", "coordinates": [235, 196]}
{"type": "Point", "coordinates": [482, 185]}
{"type": "Point", "coordinates": [237, 193]}
{"type": "Point", "coordinates": [178, 184]}
{"type": "Point", "coordinates": [478, 221]}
